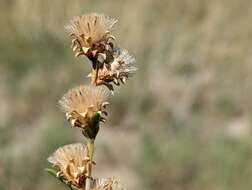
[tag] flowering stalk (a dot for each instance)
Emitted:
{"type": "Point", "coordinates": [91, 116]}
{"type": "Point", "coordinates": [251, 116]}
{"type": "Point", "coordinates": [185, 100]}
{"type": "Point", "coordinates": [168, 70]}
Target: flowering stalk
{"type": "Point", "coordinates": [85, 106]}
{"type": "Point", "coordinates": [90, 145]}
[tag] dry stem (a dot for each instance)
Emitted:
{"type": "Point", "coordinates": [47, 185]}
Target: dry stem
{"type": "Point", "coordinates": [90, 146]}
{"type": "Point", "coordinates": [94, 76]}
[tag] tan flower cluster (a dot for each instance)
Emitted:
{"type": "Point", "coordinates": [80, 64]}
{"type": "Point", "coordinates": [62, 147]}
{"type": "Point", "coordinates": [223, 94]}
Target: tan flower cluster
{"type": "Point", "coordinates": [90, 33]}
{"type": "Point", "coordinates": [72, 161]}
{"type": "Point", "coordinates": [81, 103]}
{"type": "Point", "coordinates": [85, 105]}
{"type": "Point", "coordinates": [107, 184]}
{"type": "Point", "coordinates": [117, 70]}
{"type": "Point", "coordinates": [91, 36]}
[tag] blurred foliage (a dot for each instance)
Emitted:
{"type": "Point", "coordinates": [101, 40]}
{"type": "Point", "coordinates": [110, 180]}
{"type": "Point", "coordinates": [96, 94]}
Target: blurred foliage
{"type": "Point", "coordinates": [183, 122]}
{"type": "Point", "coordinates": [183, 160]}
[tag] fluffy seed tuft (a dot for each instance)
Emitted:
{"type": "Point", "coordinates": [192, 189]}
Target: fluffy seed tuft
{"type": "Point", "coordinates": [90, 33]}
{"type": "Point", "coordinates": [72, 162]}
{"type": "Point", "coordinates": [107, 184]}
{"type": "Point", "coordinates": [81, 103]}
{"type": "Point", "coordinates": [117, 70]}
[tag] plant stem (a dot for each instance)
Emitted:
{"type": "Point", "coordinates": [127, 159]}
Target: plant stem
{"type": "Point", "coordinates": [90, 141]}
{"type": "Point", "coordinates": [94, 76]}
{"type": "Point", "coordinates": [90, 146]}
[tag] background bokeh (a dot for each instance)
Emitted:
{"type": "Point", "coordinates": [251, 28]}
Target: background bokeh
{"type": "Point", "coordinates": [183, 122]}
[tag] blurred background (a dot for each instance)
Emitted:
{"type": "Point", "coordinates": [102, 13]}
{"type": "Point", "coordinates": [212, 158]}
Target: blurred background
{"type": "Point", "coordinates": [183, 122]}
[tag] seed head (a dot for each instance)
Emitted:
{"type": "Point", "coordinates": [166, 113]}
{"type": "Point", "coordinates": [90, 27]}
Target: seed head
{"type": "Point", "coordinates": [90, 33]}
{"type": "Point", "coordinates": [107, 184]}
{"type": "Point", "coordinates": [72, 162]}
{"type": "Point", "coordinates": [81, 103]}
{"type": "Point", "coordinates": [118, 69]}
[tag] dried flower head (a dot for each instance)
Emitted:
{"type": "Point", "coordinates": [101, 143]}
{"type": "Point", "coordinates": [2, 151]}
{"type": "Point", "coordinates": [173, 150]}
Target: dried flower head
{"type": "Point", "coordinates": [119, 68]}
{"type": "Point", "coordinates": [81, 103]}
{"type": "Point", "coordinates": [90, 33]}
{"type": "Point", "coordinates": [107, 184]}
{"type": "Point", "coordinates": [72, 162]}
